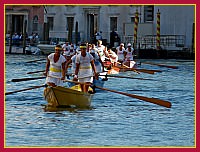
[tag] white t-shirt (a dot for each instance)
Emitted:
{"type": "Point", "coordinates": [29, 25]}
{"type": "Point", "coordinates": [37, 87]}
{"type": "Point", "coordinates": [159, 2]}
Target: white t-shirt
{"type": "Point", "coordinates": [100, 50]}
{"type": "Point", "coordinates": [66, 47]}
{"type": "Point", "coordinates": [85, 68]}
{"type": "Point", "coordinates": [73, 68]}
{"type": "Point", "coordinates": [120, 53]}
{"type": "Point", "coordinates": [129, 55]}
{"type": "Point", "coordinates": [55, 70]}
{"type": "Point", "coordinates": [97, 63]}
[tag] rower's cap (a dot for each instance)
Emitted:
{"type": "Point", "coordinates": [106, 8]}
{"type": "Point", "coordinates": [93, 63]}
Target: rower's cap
{"type": "Point", "coordinates": [122, 44]}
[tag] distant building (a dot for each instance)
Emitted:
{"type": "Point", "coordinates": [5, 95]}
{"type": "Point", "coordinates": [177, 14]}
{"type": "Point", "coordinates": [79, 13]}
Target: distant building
{"type": "Point", "coordinates": [16, 15]}
{"type": "Point", "coordinates": [70, 22]}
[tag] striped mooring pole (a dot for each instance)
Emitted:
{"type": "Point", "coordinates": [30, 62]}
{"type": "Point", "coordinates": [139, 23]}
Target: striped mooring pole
{"type": "Point", "coordinates": [158, 31]}
{"type": "Point", "coordinates": [136, 28]}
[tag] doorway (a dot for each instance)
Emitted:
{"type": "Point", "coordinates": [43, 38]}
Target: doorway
{"type": "Point", "coordinates": [92, 27]}
{"type": "Point", "coordinates": [17, 22]}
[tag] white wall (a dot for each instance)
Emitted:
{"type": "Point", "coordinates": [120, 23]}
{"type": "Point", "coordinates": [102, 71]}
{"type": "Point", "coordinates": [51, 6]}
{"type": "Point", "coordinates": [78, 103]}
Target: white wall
{"type": "Point", "coordinates": [176, 20]}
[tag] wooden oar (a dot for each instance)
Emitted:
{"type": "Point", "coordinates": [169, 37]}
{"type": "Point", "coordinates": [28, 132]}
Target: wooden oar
{"type": "Point", "coordinates": [34, 78]}
{"type": "Point", "coordinates": [151, 100]}
{"type": "Point", "coordinates": [148, 71]}
{"type": "Point", "coordinates": [126, 68]}
{"type": "Point", "coordinates": [27, 79]}
{"type": "Point", "coordinates": [36, 72]}
{"type": "Point", "coordinates": [143, 70]}
{"type": "Point", "coordinates": [35, 60]}
{"type": "Point", "coordinates": [34, 87]}
{"type": "Point", "coordinates": [161, 65]}
{"type": "Point", "coordinates": [139, 70]}
{"type": "Point", "coordinates": [117, 76]}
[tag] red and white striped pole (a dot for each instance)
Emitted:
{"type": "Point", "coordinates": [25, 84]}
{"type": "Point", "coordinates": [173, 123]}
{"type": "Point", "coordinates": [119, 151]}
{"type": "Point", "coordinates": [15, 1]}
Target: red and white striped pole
{"type": "Point", "coordinates": [158, 31]}
{"type": "Point", "coordinates": [136, 28]}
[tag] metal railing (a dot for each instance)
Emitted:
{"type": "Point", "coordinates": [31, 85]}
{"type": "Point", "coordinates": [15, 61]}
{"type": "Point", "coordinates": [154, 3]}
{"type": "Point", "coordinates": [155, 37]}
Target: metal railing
{"type": "Point", "coordinates": [149, 41]}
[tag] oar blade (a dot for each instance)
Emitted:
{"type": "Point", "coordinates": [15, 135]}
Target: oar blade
{"type": "Point", "coordinates": [154, 101]}
{"type": "Point", "coordinates": [160, 102]}
{"type": "Point", "coordinates": [145, 71]}
{"type": "Point", "coordinates": [162, 65]}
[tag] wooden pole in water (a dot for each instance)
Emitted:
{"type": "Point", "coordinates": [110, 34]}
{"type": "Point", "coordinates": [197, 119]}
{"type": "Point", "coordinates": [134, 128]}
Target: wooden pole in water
{"type": "Point", "coordinates": [158, 31]}
{"type": "Point", "coordinates": [10, 43]}
{"type": "Point", "coordinates": [158, 34]}
{"type": "Point", "coordinates": [24, 37]}
{"type": "Point", "coordinates": [135, 29]}
{"type": "Point", "coordinates": [11, 33]}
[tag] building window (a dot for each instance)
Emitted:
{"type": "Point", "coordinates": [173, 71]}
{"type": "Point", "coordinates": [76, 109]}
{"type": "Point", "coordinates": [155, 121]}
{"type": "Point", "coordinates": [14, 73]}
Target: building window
{"type": "Point", "coordinates": [148, 13]}
{"type": "Point", "coordinates": [35, 23]}
{"type": "Point", "coordinates": [70, 23]}
{"type": "Point", "coordinates": [50, 23]}
{"type": "Point", "coordinates": [132, 19]}
{"type": "Point", "coordinates": [113, 23]}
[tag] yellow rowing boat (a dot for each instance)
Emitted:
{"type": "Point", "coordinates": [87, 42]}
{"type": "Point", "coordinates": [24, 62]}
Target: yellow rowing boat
{"type": "Point", "coordinates": [62, 96]}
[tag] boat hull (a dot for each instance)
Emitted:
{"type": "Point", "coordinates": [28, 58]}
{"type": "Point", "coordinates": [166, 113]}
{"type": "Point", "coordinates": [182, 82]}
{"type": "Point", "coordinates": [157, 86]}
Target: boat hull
{"type": "Point", "coordinates": [61, 96]}
{"type": "Point", "coordinates": [100, 82]}
{"type": "Point", "coordinates": [46, 49]}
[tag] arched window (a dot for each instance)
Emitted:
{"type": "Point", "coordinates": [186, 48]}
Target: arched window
{"type": "Point", "coordinates": [35, 23]}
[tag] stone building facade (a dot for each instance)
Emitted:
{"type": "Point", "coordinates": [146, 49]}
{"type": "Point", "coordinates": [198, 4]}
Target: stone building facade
{"type": "Point", "coordinates": [16, 15]}
{"type": "Point", "coordinates": [63, 22]}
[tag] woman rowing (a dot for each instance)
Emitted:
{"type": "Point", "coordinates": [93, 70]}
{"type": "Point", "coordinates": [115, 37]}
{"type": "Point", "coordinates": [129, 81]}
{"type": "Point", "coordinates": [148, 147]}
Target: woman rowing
{"type": "Point", "coordinates": [129, 53]}
{"type": "Point", "coordinates": [97, 59]}
{"type": "Point", "coordinates": [112, 57]}
{"type": "Point", "coordinates": [121, 53]}
{"type": "Point", "coordinates": [55, 68]}
{"type": "Point", "coordinates": [72, 61]}
{"type": "Point", "coordinates": [85, 69]}
{"type": "Point", "coordinates": [101, 49]}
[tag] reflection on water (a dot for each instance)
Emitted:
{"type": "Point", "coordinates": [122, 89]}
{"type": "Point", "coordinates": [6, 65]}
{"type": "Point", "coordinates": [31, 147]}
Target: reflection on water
{"type": "Point", "coordinates": [112, 119]}
{"type": "Point", "coordinates": [65, 108]}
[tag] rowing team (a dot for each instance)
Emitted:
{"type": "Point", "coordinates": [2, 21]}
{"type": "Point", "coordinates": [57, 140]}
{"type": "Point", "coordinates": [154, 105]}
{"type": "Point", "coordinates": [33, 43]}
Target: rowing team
{"type": "Point", "coordinates": [87, 62]}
